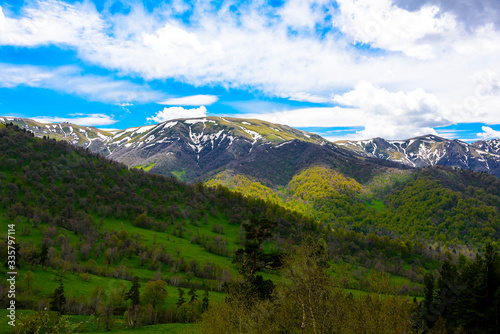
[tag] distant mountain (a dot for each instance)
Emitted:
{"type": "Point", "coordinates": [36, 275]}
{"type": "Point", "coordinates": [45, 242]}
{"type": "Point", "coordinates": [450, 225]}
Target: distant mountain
{"type": "Point", "coordinates": [430, 150]}
{"type": "Point", "coordinates": [491, 146]}
{"type": "Point", "coordinates": [198, 149]}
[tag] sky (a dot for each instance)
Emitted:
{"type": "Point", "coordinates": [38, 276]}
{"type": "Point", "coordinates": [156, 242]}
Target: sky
{"type": "Point", "coordinates": [345, 69]}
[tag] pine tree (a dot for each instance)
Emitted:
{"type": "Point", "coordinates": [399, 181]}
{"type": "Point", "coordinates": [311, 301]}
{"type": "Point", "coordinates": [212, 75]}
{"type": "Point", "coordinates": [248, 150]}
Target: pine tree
{"type": "Point", "coordinates": [44, 254]}
{"type": "Point", "coordinates": [192, 294]}
{"type": "Point", "coordinates": [58, 300]}
{"type": "Point", "coordinates": [206, 301]}
{"type": "Point", "coordinates": [133, 294]}
{"type": "Point", "coordinates": [181, 299]}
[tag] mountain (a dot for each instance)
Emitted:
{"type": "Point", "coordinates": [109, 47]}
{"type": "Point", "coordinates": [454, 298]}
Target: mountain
{"type": "Point", "coordinates": [491, 146]}
{"type": "Point", "coordinates": [198, 149]}
{"type": "Point", "coordinates": [432, 150]}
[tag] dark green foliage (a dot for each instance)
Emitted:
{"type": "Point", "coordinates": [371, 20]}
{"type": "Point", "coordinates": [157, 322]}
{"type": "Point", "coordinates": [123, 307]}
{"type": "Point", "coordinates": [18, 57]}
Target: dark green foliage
{"type": "Point", "coordinates": [44, 254]}
{"type": "Point", "coordinates": [181, 299]}
{"type": "Point", "coordinates": [253, 258]}
{"type": "Point", "coordinates": [192, 295]}
{"type": "Point", "coordinates": [428, 290]}
{"type": "Point", "coordinates": [468, 299]}
{"type": "Point", "coordinates": [58, 299]}
{"type": "Point", "coordinates": [133, 294]}
{"type": "Point", "coordinates": [206, 301]}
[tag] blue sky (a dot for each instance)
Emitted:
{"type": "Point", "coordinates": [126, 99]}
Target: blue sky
{"type": "Point", "coordinates": [346, 69]}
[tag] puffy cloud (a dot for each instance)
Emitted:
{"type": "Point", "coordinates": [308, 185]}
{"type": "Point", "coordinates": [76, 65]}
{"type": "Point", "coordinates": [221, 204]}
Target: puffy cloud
{"type": "Point", "coordinates": [178, 112]}
{"type": "Point", "coordinates": [394, 115]}
{"type": "Point", "coordinates": [80, 119]}
{"type": "Point", "coordinates": [193, 100]}
{"type": "Point", "coordinates": [383, 25]}
{"type": "Point", "coordinates": [426, 55]}
{"type": "Point", "coordinates": [488, 133]}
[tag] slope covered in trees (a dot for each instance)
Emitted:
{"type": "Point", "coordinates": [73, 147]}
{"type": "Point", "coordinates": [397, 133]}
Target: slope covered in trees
{"type": "Point", "coordinates": [87, 226]}
{"type": "Point", "coordinates": [449, 207]}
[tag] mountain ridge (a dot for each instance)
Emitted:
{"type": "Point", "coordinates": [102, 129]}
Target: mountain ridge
{"type": "Point", "coordinates": [196, 149]}
{"type": "Point", "coordinates": [431, 150]}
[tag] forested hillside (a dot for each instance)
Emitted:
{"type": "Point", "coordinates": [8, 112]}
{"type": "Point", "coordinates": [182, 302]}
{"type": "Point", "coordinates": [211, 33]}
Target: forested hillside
{"type": "Point", "coordinates": [438, 205]}
{"type": "Point", "coordinates": [114, 247]}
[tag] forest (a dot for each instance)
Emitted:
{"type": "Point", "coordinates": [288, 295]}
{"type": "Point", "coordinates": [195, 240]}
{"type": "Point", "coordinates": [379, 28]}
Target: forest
{"type": "Point", "coordinates": [103, 247]}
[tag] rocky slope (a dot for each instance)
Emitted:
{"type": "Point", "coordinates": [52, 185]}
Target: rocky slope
{"type": "Point", "coordinates": [430, 150]}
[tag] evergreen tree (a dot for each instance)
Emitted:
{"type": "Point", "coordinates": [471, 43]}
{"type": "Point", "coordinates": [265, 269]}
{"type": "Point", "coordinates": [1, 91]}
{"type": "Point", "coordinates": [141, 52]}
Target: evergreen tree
{"type": "Point", "coordinates": [192, 294]}
{"type": "Point", "coordinates": [58, 300]}
{"type": "Point", "coordinates": [206, 301]}
{"type": "Point", "coordinates": [44, 254]}
{"type": "Point", "coordinates": [133, 294]}
{"type": "Point", "coordinates": [181, 299]}
{"type": "Point", "coordinates": [252, 258]}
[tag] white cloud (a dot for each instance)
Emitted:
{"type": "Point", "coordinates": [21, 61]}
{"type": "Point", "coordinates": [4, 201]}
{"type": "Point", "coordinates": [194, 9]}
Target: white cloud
{"type": "Point", "coordinates": [383, 25]}
{"type": "Point", "coordinates": [312, 117]}
{"type": "Point", "coordinates": [488, 133]}
{"type": "Point", "coordinates": [178, 112]}
{"type": "Point", "coordinates": [80, 119]}
{"type": "Point", "coordinates": [193, 100]}
{"type": "Point", "coordinates": [426, 55]}
{"type": "Point", "coordinates": [69, 79]}
{"type": "Point", "coordinates": [395, 115]}
{"type": "Point", "coordinates": [306, 97]}
{"type": "Point", "coordinates": [391, 115]}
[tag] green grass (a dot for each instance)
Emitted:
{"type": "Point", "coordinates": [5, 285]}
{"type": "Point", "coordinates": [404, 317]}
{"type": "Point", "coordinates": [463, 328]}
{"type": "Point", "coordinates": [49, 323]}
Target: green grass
{"type": "Point", "coordinates": [144, 167]}
{"type": "Point", "coordinates": [377, 205]}
{"type": "Point", "coordinates": [179, 174]}
{"type": "Point", "coordinates": [163, 328]}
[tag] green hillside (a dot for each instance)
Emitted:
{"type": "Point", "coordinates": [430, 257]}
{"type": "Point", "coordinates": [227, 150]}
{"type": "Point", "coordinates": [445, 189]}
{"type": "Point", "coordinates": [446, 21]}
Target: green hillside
{"type": "Point", "coordinates": [453, 208]}
{"type": "Point", "coordinates": [86, 228]}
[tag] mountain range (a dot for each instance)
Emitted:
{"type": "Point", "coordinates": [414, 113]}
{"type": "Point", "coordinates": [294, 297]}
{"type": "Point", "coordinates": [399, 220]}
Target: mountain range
{"type": "Point", "coordinates": [198, 149]}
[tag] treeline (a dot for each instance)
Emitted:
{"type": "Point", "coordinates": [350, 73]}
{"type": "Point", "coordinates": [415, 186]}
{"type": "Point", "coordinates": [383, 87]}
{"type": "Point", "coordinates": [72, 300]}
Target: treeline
{"type": "Point", "coordinates": [464, 297]}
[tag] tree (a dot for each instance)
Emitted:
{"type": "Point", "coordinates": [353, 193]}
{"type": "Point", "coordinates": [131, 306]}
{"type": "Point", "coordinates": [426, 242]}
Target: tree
{"type": "Point", "coordinates": [42, 323]}
{"type": "Point", "coordinates": [252, 258]}
{"type": "Point", "coordinates": [192, 294]}
{"type": "Point", "coordinates": [28, 281]}
{"type": "Point", "coordinates": [181, 299]}
{"type": "Point", "coordinates": [133, 310]}
{"type": "Point", "coordinates": [133, 294]}
{"type": "Point", "coordinates": [58, 300]}
{"type": "Point", "coordinates": [206, 301]}
{"type": "Point", "coordinates": [155, 294]}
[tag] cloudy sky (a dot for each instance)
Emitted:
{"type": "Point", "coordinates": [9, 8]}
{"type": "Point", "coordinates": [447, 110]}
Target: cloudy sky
{"type": "Point", "coordinates": [343, 69]}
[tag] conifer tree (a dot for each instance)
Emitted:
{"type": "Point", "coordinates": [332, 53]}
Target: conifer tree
{"type": "Point", "coordinates": [206, 301]}
{"type": "Point", "coordinates": [133, 294]}
{"type": "Point", "coordinates": [192, 294]}
{"type": "Point", "coordinates": [181, 299]}
{"type": "Point", "coordinates": [58, 300]}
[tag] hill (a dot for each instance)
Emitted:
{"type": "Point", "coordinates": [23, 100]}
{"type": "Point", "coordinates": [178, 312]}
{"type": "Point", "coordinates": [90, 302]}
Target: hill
{"type": "Point", "coordinates": [90, 225]}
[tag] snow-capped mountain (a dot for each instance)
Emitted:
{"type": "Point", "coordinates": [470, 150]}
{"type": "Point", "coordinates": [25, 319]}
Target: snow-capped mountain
{"type": "Point", "coordinates": [195, 149]}
{"type": "Point", "coordinates": [432, 150]}
{"type": "Point", "coordinates": [491, 146]}
{"type": "Point", "coordinates": [186, 148]}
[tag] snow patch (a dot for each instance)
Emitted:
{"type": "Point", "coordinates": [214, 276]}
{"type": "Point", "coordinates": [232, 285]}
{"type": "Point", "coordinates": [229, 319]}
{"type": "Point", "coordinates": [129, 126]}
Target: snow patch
{"type": "Point", "coordinates": [143, 129]}
{"type": "Point", "coordinates": [170, 124]}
